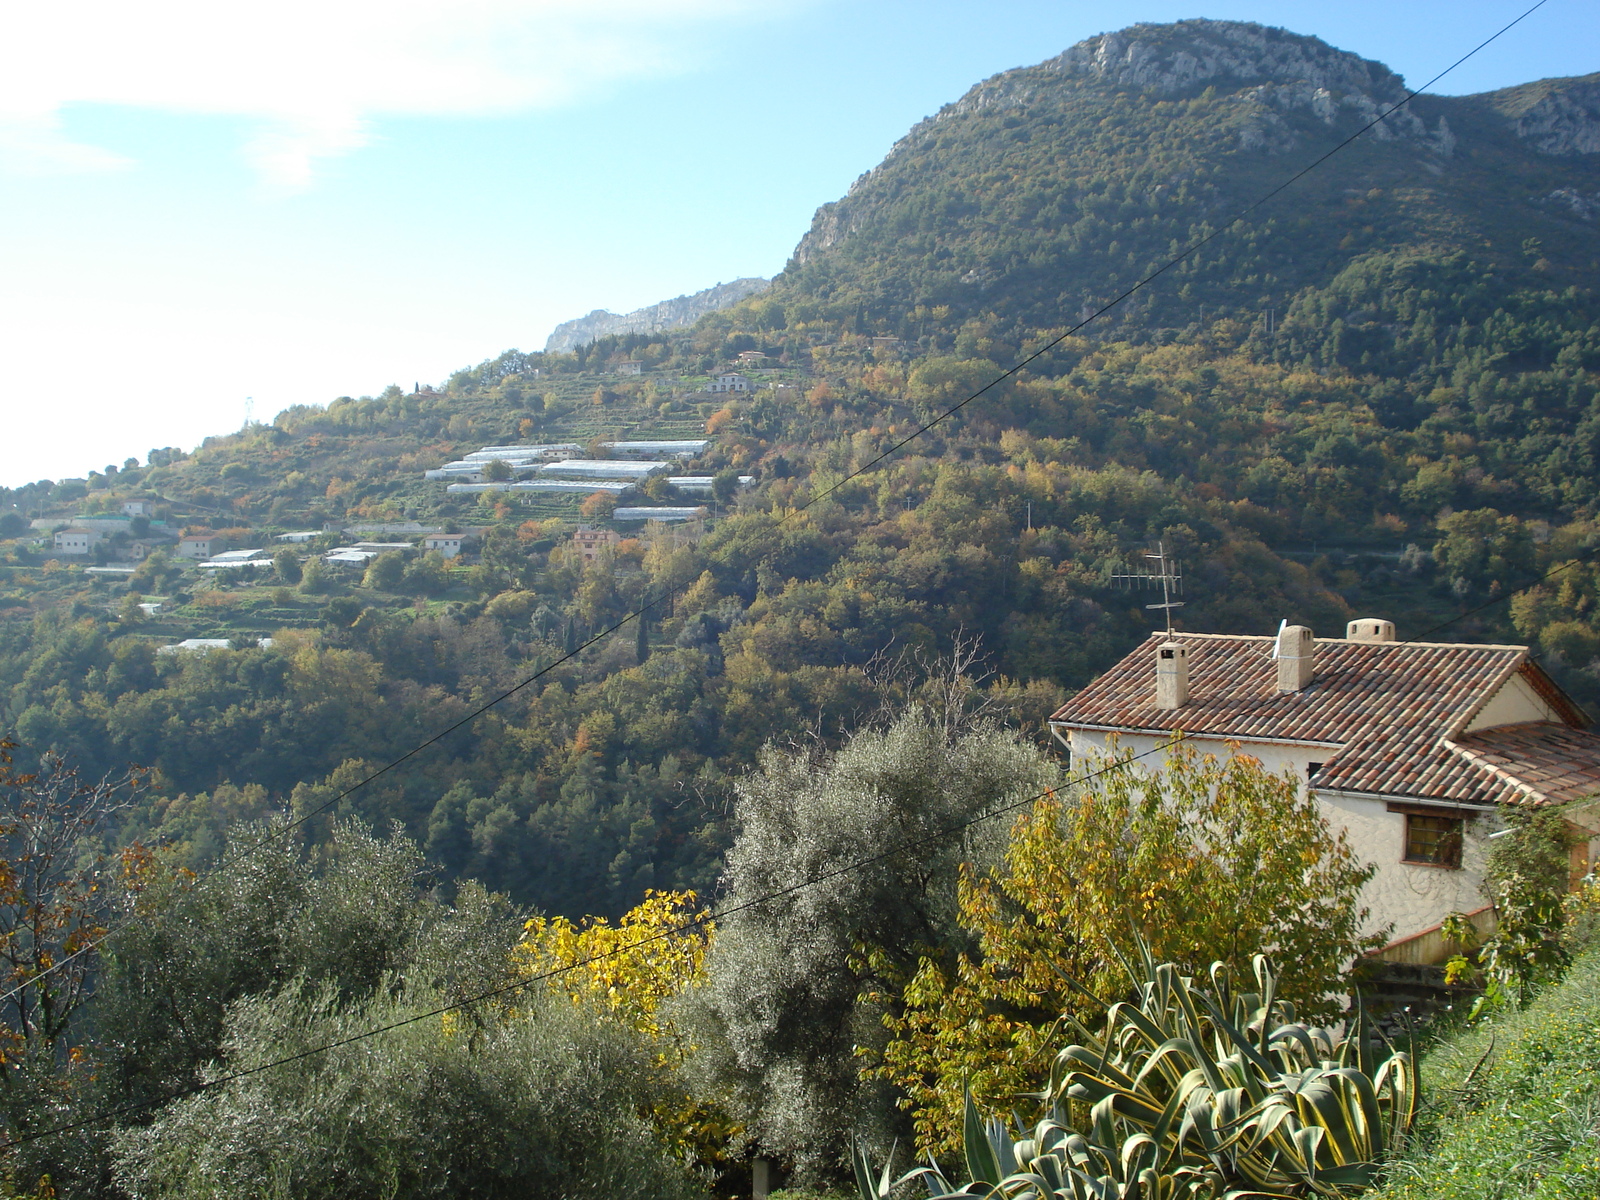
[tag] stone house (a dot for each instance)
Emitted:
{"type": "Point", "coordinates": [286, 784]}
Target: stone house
{"type": "Point", "coordinates": [201, 544]}
{"type": "Point", "coordinates": [1412, 749]}
{"type": "Point", "coordinates": [591, 543]}
{"type": "Point", "coordinates": [728, 381]}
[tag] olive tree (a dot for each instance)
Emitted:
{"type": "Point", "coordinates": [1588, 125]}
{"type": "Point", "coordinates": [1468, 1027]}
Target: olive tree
{"type": "Point", "coordinates": [860, 849]}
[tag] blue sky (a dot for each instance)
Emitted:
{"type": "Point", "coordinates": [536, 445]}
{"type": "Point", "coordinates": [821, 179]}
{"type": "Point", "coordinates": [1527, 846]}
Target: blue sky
{"type": "Point", "coordinates": [203, 203]}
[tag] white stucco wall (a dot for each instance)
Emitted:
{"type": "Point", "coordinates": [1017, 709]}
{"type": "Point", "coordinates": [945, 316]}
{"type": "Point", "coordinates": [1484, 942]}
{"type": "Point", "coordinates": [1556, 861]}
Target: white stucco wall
{"type": "Point", "coordinates": [1404, 898]}
{"type": "Point", "coordinates": [1514, 703]}
{"type": "Point", "coordinates": [1408, 898]}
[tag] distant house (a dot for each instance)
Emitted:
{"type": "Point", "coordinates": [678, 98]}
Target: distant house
{"type": "Point", "coordinates": [76, 541]}
{"type": "Point", "coordinates": [140, 549]}
{"type": "Point", "coordinates": [138, 508]}
{"type": "Point", "coordinates": [751, 358]}
{"type": "Point", "coordinates": [449, 544]}
{"type": "Point", "coordinates": [592, 542]}
{"type": "Point", "coordinates": [728, 381]}
{"type": "Point", "coordinates": [201, 544]}
{"type": "Point", "coordinates": [631, 367]}
{"type": "Point", "coordinates": [886, 343]}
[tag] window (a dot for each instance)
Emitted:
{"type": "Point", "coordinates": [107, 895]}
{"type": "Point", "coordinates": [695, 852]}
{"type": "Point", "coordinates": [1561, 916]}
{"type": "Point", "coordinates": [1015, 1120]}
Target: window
{"type": "Point", "coordinates": [1433, 840]}
{"type": "Point", "coordinates": [1311, 769]}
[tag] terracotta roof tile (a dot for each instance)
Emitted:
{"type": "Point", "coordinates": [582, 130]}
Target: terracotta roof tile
{"type": "Point", "coordinates": [1544, 761]}
{"type": "Point", "coordinates": [1388, 708]}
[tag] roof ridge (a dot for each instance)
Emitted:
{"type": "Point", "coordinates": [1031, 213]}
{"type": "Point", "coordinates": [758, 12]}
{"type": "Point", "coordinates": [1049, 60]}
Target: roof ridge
{"type": "Point", "coordinates": [1179, 635]}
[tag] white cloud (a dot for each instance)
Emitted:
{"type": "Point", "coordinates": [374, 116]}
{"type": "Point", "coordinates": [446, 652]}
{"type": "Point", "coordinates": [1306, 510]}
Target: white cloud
{"type": "Point", "coordinates": [316, 74]}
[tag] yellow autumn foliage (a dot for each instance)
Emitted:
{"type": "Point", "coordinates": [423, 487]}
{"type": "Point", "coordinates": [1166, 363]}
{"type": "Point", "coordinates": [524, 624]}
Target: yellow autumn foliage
{"type": "Point", "coordinates": [1201, 861]}
{"type": "Point", "coordinates": [628, 971]}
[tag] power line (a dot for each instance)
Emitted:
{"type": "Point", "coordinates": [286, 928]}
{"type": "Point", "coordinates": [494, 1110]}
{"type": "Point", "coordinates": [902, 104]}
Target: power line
{"type": "Point", "coordinates": [901, 847]}
{"type": "Point", "coordinates": [1192, 248]}
{"type": "Point", "coordinates": [908, 844]}
{"type": "Point", "coordinates": [645, 608]}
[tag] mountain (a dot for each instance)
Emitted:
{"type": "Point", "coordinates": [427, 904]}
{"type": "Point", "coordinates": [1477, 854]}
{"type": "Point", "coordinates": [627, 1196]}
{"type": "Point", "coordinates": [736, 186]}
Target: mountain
{"type": "Point", "coordinates": [1379, 393]}
{"type": "Point", "coordinates": [669, 314]}
{"type": "Point", "coordinates": [1045, 190]}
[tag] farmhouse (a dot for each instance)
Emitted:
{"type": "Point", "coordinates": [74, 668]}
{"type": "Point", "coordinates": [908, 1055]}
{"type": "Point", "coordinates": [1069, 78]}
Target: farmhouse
{"type": "Point", "coordinates": [728, 381]}
{"type": "Point", "coordinates": [201, 544]}
{"type": "Point", "coordinates": [75, 541]}
{"type": "Point", "coordinates": [591, 543]}
{"type": "Point", "coordinates": [1413, 749]}
{"type": "Point", "coordinates": [449, 545]}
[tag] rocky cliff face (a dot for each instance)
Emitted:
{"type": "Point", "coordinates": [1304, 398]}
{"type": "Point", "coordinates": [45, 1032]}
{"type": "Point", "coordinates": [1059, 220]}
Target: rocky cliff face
{"type": "Point", "coordinates": [1556, 116]}
{"type": "Point", "coordinates": [1270, 73]}
{"type": "Point", "coordinates": [669, 314]}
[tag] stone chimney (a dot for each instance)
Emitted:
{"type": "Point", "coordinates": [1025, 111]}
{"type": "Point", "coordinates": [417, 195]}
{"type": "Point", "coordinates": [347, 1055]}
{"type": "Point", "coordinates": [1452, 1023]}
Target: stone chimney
{"type": "Point", "coordinates": [1296, 655]}
{"type": "Point", "coordinates": [1172, 675]}
{"type": "Point", "coordinates": [1369, 629]}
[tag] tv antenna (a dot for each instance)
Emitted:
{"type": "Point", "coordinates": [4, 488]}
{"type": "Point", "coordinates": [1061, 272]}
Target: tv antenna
{"type": "Point", "coordinates": [1169, 575]}
{"type": "Point", "coordinates": [249, 410]}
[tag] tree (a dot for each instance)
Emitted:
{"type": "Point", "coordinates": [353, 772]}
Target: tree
{"type": "Point", "coordinates": [789, 987]}
{"type": "Point", "coordinates": [598, 506]}
{"type": "Point", "coordinates": [1484, 551]}
{"type": "Point", "coordinates": [1526, 877]}
{"type": "Point", "coordinates": [385, 572]}
{"type": "Point", "coordinates": [317, 577]}
{"type": "Point", "coordinates": [287, 564]}
{"type": "Point", "coordinates": [426, 575]}
{"type": "Point", "coordinates": [154, 574]}
{"type": "Point", "coordinates": [725, 485]}
{"type": "Point", "coordinates": [519, 1095]}
{"type": "Point", "coordinates": [1200, 861]}
{"type": "Point", "coordinates": [55, 901]}
{"type": "Point", "coordinates": [497, 470]}
{"type": "Point", "coordinates": [633, 972]}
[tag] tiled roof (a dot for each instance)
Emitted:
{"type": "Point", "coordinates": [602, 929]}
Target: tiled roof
{"type": "Point", "coordinates": [1546, 762]}
{"type": "Point", "coordinates": [1387, 708]}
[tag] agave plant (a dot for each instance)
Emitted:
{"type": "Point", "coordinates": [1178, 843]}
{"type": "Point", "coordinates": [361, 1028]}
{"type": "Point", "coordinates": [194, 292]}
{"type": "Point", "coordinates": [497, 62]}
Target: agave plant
{"type": "Point", "coordinates": [1192, 1093]}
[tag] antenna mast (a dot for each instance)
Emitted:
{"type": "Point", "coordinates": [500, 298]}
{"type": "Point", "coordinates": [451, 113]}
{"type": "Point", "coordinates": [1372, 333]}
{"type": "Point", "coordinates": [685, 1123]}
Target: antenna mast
{"type": "Point", "coordinates": [1168, 575]}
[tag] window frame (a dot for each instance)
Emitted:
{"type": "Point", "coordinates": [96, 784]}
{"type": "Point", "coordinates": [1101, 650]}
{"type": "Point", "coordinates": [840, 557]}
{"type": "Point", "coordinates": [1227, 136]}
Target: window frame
{"type": "Point", "coordinates": [1452, 824]}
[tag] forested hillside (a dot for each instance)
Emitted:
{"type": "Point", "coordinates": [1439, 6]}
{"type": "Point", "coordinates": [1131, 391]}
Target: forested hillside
{"type": "Point", "coordinates": [1378, 392]}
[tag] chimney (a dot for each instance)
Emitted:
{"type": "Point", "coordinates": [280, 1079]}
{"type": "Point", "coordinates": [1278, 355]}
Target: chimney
{"type": "Point", "coordinates": [1172, 675]}
{"type": "Point", "coordinates": [1369, 629]}
{"type": "Point", "coordinates": [1296, 655]}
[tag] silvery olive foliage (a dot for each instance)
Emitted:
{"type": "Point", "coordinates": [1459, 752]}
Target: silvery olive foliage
{"type": "Point", "coordinates": [786, 978]}
{"type": "Point", "coordinates": [544, 1101]}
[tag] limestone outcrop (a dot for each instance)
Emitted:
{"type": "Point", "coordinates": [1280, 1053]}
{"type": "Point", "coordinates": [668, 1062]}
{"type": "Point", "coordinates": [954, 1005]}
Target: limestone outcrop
{"type": "Point", "coordinates": [669, 314]}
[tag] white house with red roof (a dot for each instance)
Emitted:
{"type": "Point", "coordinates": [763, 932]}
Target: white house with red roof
{"type": "Point", "coordinates": [1413, 749]}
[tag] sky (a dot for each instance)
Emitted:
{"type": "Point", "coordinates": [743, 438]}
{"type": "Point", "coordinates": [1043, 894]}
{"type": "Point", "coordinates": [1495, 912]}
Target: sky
{"type": "Point", "coordinates": [209, 211]}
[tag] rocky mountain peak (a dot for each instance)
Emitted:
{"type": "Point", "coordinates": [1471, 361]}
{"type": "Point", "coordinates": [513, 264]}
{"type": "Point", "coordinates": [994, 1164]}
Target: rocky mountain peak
{"type": "Point", "coordinates": [669, 314]}
{"type": "Point", "coordinates": [1189, 54]}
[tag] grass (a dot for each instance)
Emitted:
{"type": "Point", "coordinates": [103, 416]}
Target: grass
{"type": "Point", "coordinates": [1526, 1124]}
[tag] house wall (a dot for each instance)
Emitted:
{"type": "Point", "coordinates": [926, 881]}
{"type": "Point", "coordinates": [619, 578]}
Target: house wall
{"type": "Point", "coordinates": [1403, 898]}
{"type": "Point", "coordinates": [1513, 704]}
{"type": "Point", "coordinates": [1409, 897]}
